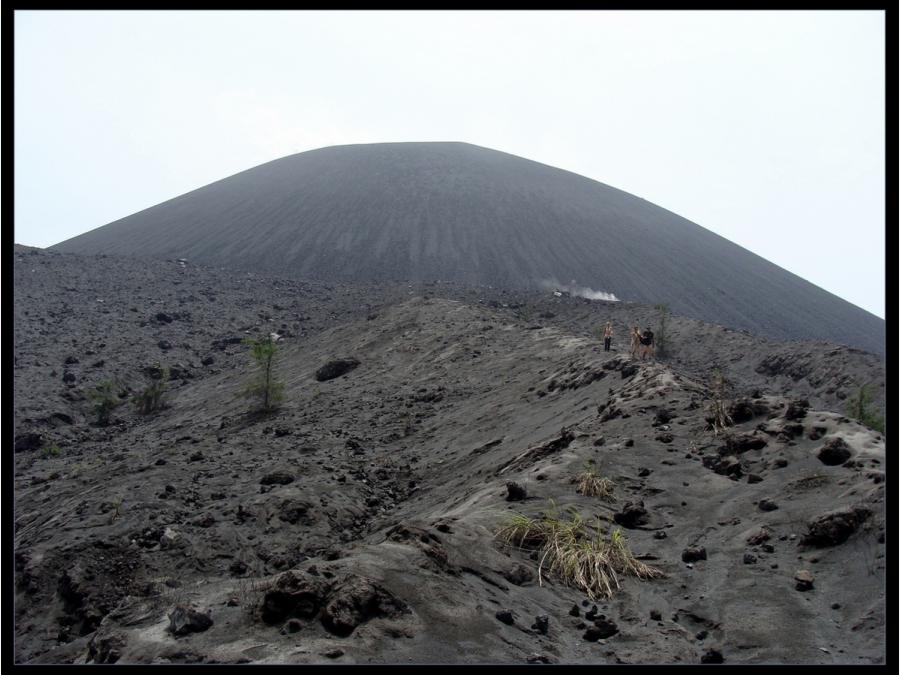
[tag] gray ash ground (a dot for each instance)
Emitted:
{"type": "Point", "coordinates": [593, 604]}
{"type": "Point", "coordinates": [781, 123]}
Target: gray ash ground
{"type": "Point", "coordinates": [356, 524]}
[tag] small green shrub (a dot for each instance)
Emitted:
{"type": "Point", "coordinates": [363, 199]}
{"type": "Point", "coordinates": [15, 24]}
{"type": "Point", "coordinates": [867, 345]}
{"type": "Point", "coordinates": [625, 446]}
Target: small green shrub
{"type": "Point", "coordinates": [264, 386]}
{"type": "Point", "coordinates": [861, 407]}
{"type": "Point", "coordinates": [105, 401]}
{"type": "Point", "coordinates": [151, 399]}
{"type": "Point", "coordinates": [51, 451]}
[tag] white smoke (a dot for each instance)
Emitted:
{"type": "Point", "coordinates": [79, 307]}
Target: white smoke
{"type": "Point", "coordinates": [578, 291]}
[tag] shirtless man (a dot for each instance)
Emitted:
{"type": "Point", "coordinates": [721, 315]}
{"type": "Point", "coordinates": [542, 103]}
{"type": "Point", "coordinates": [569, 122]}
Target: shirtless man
{"type": "Point", "coordinates": [607, 336]}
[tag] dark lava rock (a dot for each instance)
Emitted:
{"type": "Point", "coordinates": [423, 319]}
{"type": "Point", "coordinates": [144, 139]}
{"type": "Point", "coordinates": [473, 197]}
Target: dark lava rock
{"type": "Point", "coordinates": [741, 411]}
{"type": "Point", "coordinates": [759, 537]}
{"type": "Point", "coordinates": [724, 466]}
{"type": "Point", "coordinates": [68, 378]}
{"type": "Point", "coordinates": [628, 370]}
{"type": "Point", "coordinates": [292, 626]}
{"type": "Point", "coordinates": [712, 656]}
{"type": "Point", "coordinates": [600, 441]}
{"type": "Point", "coordinates": [208, 360]}
{"type": "Point", "coordinates": [603, 628]}
{"type": "Point", "coordinates": [629, 442]}
{"type": "Point", "coordinates": [277, 478]}
{"type": "Point", "coordinates": [196, 456]}
{"type": "Point", "coordinates": [293, 511]}
{"type": "Point", "coordinates": [356, 601]}
{"type": "Point", "coordinates": [295, 593]}
{"type": "Point", "coordinates": [505, 616]}
{"type": "Point", "coordinates": [740, 443]}
{"type": "Point", "coordinates": [663, 416]}
{"type": "Point", "coordinates": [184, 620]}
{"type": "Point", "coordinates": [767, 505]}
{"type": "Point", "coordinates": [237, 568]}
{"type": "Point", "coordinates": [575, 611]}
{"type": "Point", "coordinates": [632, 515]}
{"type": "Point", "coordinates": [655, 615]}
{"type": "Point", "coordinates": [834, 452]}
{"type": "Point", "coordinates": [607, 627]}
{"type": "Point", "coordinates": [804, 579]}
{"type": "Point", "coordinates": [71, 360]}
{"type": "Point", "coordinates": [660, 534]}
{"type": "Point", "coordinates": [335, 653]}
{"type": "Point", "coordinates": [282, 431]}
{"type": "Point", "coordinates": [519, 574]}
{"type": "Point", "coordinates": [643, 473]}
{"type": "Point", "coordinates": [515, 492]}
{"type": "Point", "coordinates": [162, 317]}
{"type": "Point", "coordinates": [796, 410]}
{"type": "Point", "coordinates": [749, 559]}
{"type": "Point", "coordinates": [693, 554]}
{"type": "Point", "coordinates": [28, 441]}
{"type": "Point", "coordinates": [754, 478]}
{"type": "Point", "coordinates": [834, 528]}
{"type": "Point", "coordinates": [165, 345]}
{"type": "Point", "coordinates": [335, 368]}
{"type": "Point", "coordinates": [665, 438]}
{"type": "Point", "coordinates": [541, 624]}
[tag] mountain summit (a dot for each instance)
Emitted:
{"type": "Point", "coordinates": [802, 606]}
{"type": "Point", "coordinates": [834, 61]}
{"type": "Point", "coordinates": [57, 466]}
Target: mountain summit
{"type": "Point", "coordinates": [468, 214]}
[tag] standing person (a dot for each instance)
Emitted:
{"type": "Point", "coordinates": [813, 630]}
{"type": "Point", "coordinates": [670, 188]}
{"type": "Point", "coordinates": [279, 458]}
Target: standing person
{"type": "Point", "coordinates": [647, 343]}
{"type": "Point", "coordinates": [607, 336]}
{"type": "Point", "coordinates": [635, 341]}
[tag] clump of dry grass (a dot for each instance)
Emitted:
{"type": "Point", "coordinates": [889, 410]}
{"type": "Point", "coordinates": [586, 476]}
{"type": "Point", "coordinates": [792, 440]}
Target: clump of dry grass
{"type": "Point", "coordinates": [719, 418]}
{"type": "Point", "coordinates": [591, 562]}
{"type": "Point", "coordinates": [592, 484]}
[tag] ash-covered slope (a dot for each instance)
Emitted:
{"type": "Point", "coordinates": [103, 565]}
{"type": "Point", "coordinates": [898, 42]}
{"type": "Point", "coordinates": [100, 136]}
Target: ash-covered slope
{"type": "Point", "coordinates": [357, 523]}
{"type": "Point", "coordinates": [459, 212]}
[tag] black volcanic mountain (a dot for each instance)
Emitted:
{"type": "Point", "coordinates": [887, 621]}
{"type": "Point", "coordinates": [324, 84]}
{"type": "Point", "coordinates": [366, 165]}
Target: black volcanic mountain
{"type": "Point", "coordinates": [463, 213]}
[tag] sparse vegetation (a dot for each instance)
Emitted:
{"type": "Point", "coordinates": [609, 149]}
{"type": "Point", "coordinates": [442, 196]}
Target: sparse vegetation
{"type": "Point", "coordinates": [265, 386]}
{"type": "Point", "coordinates": [105, 401]}
{"type": "Point", "coordinates": [860, 407]}
{"type": "Point", "coordinates": [719, 419]}
{"type": "Point", "coordinates": [592, 484]}
{"type": "Point", "coordinates": [151, 399]}
{"type": "Point", "coordinates": [51, 451]}
{"type": "Point", "coordinates": [660, 337]}
{"type": "Point", "coordinates": [568, 549]}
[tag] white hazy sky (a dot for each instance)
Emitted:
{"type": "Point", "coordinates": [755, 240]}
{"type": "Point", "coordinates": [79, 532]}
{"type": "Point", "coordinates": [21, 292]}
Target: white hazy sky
{"type": "Point", "coordinates": [767, 128]}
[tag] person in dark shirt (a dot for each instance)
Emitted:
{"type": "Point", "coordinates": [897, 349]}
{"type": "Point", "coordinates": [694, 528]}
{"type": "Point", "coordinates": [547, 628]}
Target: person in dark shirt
{"type": "Point", "coordinates": [607, 336]}
{"type": "Point", "coordinates": [646, 343]}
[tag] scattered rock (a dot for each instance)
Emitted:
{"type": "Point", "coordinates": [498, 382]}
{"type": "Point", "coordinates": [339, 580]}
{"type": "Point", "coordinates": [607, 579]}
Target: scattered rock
{"type": "Point", "coordinates": [27, 442]}
{"type": "Point", "coordinates": [335, 368]}
{"type": "Point", "coordinates": [356, 601]}
{"type": "Point", "coordinates": [834, 452]}
{"type": "Point", "coordinates": [295, 593]}
{"type": "Point", "coordinates": [277, 478]}
{"type": "Point", "coordinates": [712, 656]}
{"type": "Point", "coordinates": [292, 626]}
{"type": "Point", "coordinates": [693, 554]}
{"type": "Point", "coordinates": [834, 528]}
{"type": "Point", "coordinates": [541, 624]}
{"type": "Point", "coordinates": [632, 515]}
{"type": "Point", "coordinates": [519, 574]}
{"type": "Point", "coordinates": [505, 616]}
{"type": "Point", "coordinates": [184, 620]}
{"type": "Point", "coordinates": [749, 559]}
{"type": "Point", "coordinates": [758, 537]}
{"type": "Point", "coordinates": [515, 492]}
{"type": "Point", "coordinates": [796, 409]}
{"type": "Point", "coordinates": [804, 579]}
{"type": "Point", "coordinates": [767, 505]}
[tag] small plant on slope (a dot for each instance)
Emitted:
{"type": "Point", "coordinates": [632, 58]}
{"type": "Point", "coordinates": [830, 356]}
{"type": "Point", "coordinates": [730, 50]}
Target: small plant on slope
{"type": "Point", "coordinates": [265, 386]}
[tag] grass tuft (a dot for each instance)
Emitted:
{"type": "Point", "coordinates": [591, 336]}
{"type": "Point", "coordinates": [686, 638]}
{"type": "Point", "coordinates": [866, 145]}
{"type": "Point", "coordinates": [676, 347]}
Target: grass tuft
{"type": "Point", "coordinates": [568, 549]}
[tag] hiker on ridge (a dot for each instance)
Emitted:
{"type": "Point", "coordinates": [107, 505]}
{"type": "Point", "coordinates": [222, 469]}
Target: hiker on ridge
{"type": "Point", "coordinates": [607, 336]}
{"type": "Point", "coordinates": [647, 343]}
{"type": "Point", "coordinates": [635, 341]}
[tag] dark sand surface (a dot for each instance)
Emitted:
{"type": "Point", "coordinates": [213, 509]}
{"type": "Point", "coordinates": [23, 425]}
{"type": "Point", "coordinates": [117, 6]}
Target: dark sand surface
{"type": "Point", "coordinates": [462, 213]}
{"type": "Point", "coordinates": [398, 473]}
